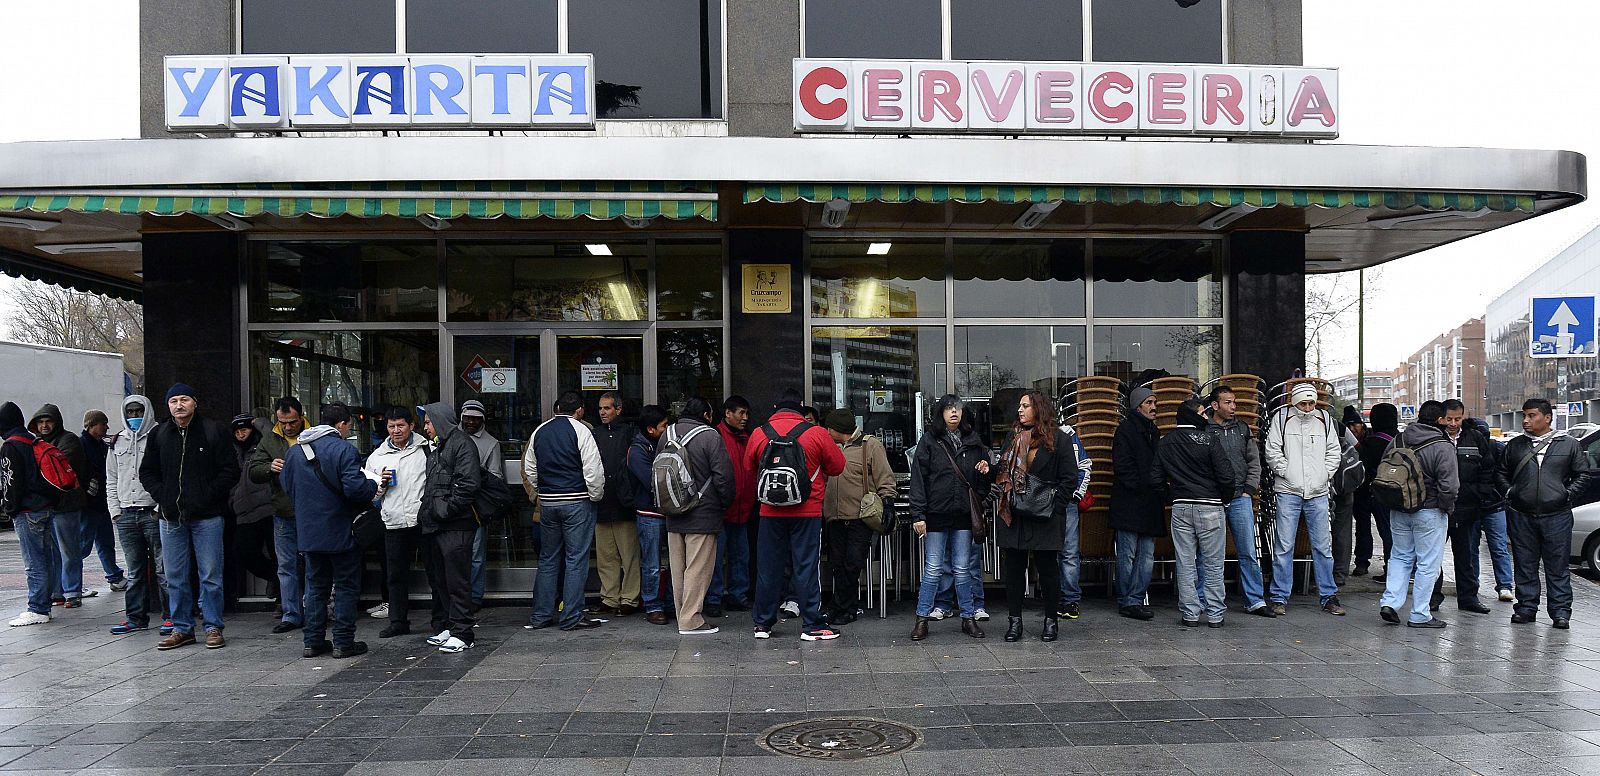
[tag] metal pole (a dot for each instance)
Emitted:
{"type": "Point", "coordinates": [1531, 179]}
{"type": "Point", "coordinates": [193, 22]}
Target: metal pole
{"type": "Point", "coordinates": [1361, 340]}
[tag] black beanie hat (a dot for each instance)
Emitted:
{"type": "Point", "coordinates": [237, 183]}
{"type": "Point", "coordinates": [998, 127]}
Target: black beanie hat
{"type": "Point", "coordinates": [840, 420]}
{"type": "Point", "coordinates": [10, 416]}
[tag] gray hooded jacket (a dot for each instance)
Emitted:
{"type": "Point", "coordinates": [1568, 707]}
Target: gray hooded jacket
{"type": "Point", "coordinates": [123, 489]}
{"type": "Point", "coordinates": [1439, 466]}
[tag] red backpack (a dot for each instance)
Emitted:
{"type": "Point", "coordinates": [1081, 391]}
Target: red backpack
{"type": "Point", "coordinates": [55, 473]}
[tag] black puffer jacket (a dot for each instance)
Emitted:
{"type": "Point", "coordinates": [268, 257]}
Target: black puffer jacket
{"type": "Point", "coordinates": [939, 495]}
{"type": "Point", "coordinates": [191, 471]}
{"type": "Point", "coordinates": [450, 488]}
{"type": "Point", "coordinates": [1536, 489]}
{"type": "Point", "coordinates": [1192, 465]}
{"type": "Point", "coordinates": [613, 442]}
{"type": "Point", "coordinates": [1477, 461]}
{"type": "Point", "coordinates": [1134, 505]}
{"type": "Point", "coordinates": [1059, 468]}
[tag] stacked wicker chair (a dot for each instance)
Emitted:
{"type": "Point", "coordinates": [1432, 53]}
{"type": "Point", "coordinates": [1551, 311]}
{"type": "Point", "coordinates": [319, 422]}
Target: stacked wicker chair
{"type": "Point", "coordinates": [1096, 410]}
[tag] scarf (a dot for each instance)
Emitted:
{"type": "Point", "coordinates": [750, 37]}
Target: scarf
{"type": "Point", "coordinates": [1014, 464]}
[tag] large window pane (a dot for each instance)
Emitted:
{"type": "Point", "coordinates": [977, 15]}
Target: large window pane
{"type": "Point", "coordinates": [889, 376]}
{"type": "Point", "coordinates": [689, 280]}
{"type": "Point", "coordinates": [1157, 278]}
{"type": "Point", "coordinates": [882, 29]}
{"type": "Point", "coordinates": [656, 59]}
{"type": "Point", "coordinates": [317, 27]}
{"type": "Point", "coordinates": [551, 281]}
{"type": "Point", "coordinates": [996, 364]}
{"type": "Point", "coordinates": [365, 369]}
{"type": "Point", "coordinates": [688, 363]}
{"type": "Point", "coordinates": [482, 26]}
{"type": "Point", "coordinates": [1128, 353]}
{"type": "Point", "coordinates": [1011, 278]}
{"type": "Point", "coordinates": [1157, 30]}
{"type": "Point", "coordinates": [510, 416]}
{"type": "Point", "coordinates": [343, 281]}
{"type": "Point", "coordinates": [1027, 30]}
{"type": "Point", "coordinates": [850, 280]}
{"type": "Point", "coordinates": [594, 365]}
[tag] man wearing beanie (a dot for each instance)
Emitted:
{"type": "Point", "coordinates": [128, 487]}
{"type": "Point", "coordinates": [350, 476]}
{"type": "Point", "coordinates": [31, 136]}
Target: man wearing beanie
{"type": "Point", "coordinates": [1137, 512]}
{"type": "Point", "coordinates": [473, 417]}
{"type": "Point", "coordinates": [864, 489]}
{"type": "Point", "coordinates": [191, 470]}
{"type": "Point", "coordinates": [98, 533]}
{"type": "Point", "coordinates": [1302, 453]}
{"type": "Point", "coordinates": [28, 503]}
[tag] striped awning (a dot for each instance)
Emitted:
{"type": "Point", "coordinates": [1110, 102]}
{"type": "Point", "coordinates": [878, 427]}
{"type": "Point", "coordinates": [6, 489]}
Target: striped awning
{"type": "Point", "coordinates": [1122, 195]}
{"type": "Point", "coordinates": [514, 199]}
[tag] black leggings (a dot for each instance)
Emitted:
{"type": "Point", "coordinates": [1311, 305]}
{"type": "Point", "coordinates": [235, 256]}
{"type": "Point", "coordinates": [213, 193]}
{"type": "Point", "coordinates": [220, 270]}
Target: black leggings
{"type": "Point", "coordinates": [1014, 571]}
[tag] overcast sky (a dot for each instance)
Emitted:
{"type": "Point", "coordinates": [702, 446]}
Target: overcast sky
{"type": "Point", "coordinates": [1420, 72]}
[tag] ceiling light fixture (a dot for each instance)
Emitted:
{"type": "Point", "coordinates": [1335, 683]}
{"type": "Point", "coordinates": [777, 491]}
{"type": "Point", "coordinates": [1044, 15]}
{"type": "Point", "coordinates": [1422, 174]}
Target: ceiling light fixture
{"type": "Point", "coordinates": [62, 249]}
{"type": "Point", "coordinates": [1229, 215]}
{"type": "Point", "coordinates": [878, 249]}
{"type": "Point", "coordinates": [834, 212]}
{"type": "Point", "coordinates": [1036, 215]}
{"type": "Point", "coordinates": [433, 222]}
{"type": "Point", "coordinates": [227, 221]}
{"type": "Point", "coordinates": [598, 249]}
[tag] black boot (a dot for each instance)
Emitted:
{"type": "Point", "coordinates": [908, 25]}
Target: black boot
{"type": "Point", "coordinates": [920, 630]}
{"type": "Point", "coordinates": [970, 627]}
{"type": "Point", "coordinates": [1050, 628]}
{"type": "Point", "coordinates": [1013, 628]}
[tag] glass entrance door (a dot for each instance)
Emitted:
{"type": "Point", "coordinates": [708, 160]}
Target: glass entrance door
{"type": "Point", "coordinates": [596, 363]}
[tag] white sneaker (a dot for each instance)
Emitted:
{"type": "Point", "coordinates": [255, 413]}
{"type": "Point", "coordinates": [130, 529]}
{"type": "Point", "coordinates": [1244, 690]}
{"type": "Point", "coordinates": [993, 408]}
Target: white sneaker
{"type": "Point", "coordinates": [706, 630]}
{"type": "Point", "coordinates": [30, 618]}
{"type": "Point", "coordinates": [790, 609]}
{"type": "Point", "coordinates": [454, 645]}
{"type": "Point", "coordinates": [1505, 595]}
{"type": "Point", "coordinates": [379, 612]}
{"type": "Point", "coordinates": [937, 614]}
{"type": "Point", "coordinates": [981, 615]}
{"type": "Point", "coordinates": [439, 639]}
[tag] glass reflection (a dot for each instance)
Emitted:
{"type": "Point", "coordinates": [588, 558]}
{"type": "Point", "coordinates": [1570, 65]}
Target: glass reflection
{"type": "Point", "coordinates": [888, 376]}
{"type": "Point", "coordinates": [862, 279]}
{"type": "Point", "coordinates": [552, 281]}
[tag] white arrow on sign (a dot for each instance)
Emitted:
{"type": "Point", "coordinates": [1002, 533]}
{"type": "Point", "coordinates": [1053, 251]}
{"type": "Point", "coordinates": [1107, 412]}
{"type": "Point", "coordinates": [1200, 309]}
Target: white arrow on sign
{"type": "Point", "coordinates": [1563, 321]}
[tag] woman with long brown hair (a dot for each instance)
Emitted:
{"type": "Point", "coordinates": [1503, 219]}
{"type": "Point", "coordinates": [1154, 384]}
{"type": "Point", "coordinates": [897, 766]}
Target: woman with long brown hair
{"type": "Point", "coordinates": [1038, 474]}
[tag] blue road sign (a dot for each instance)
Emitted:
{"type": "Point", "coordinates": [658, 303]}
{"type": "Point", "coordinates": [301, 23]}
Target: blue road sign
{"type": "Point", "coordinates": [1562, 327]}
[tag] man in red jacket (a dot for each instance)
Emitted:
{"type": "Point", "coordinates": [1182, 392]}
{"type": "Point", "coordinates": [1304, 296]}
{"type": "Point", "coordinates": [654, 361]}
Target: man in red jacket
{"type": "Point", "coordinates": [730, 580]}
{"type": "Point", "coordinates": [792, 534]}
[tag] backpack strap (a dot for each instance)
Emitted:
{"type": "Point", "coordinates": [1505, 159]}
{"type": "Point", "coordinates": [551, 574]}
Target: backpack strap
{"type": "Point", "coordinates": [1534, 450]}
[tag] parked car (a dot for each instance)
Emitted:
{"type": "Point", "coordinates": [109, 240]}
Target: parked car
{"type": "Point", "coordinates": [1586, 535]}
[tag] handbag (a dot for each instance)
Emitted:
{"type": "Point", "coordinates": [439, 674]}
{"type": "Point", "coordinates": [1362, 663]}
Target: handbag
{"type": "Point", "coordinates": [877, 512]}
{"type": "Point", "coordinates": [980, 524]}
{"type": "Point", "coordinates": [1035, 501]}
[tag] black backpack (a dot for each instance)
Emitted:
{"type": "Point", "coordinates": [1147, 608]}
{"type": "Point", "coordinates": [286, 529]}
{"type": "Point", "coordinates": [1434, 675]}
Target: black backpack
{"type": "Point", "coordinates": [494, 498]}
{"type": "Point", "coordinates": [781, 479]}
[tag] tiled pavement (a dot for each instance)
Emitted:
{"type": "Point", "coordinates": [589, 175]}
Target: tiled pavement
{"type": "Point", "coordinates": [1310, 694]}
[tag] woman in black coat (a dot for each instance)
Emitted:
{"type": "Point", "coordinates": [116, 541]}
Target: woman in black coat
{"type": "Point", "coordinates": [1137, 513]}
{"type": "Point", "coordinates": [949, 475]}
{"type": "Point", "coordinates": [1038, 447]}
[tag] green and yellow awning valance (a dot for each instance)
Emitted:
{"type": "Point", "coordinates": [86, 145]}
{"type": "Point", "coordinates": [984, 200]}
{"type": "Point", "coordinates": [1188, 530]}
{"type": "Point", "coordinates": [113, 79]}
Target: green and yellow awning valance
{"type": "Point", "coordinates": [1123, 195]}
{"type": "Point", "coordinates": [513, 199]}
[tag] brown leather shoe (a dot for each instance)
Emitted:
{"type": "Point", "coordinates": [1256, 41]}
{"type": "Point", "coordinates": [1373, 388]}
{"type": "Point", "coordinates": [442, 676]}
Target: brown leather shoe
{"type": "Point", "coordinates": [920, 630]}
{"type": "Point", "coordinates": [175, 640]}
{"type": "Point", "coordinates": [214, 640]}
{"type": "Point", "coordinates": [626, 609]}
{"type": "Point", "coordinates": [656, 618]}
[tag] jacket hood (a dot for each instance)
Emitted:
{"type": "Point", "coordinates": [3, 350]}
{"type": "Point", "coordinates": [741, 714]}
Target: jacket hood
{"type": "Point", "coordinates": [316, 432]}
{"type": "Point", "coordinates": [47, 411]}
{"type": "Point", "coordinates": [1385, 417]}
{"type": "Point", "coordinates": [443, 417]}
{"type": "Point", "coordinates": [1418, 433]}
{"type": "Point", "coordinates": [1188, 417]}
{"type": "Point", "coordinates": [10, 418]}
{"type": "Point", "coordinates": [149, 417]}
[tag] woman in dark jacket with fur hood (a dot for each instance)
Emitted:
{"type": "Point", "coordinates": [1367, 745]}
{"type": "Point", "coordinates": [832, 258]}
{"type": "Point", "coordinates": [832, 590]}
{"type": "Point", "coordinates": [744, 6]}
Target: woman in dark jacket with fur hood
{"type": "Point", "coordinates": [949, 475]}
{"type": "Point", "coordinates": [1037, 467]}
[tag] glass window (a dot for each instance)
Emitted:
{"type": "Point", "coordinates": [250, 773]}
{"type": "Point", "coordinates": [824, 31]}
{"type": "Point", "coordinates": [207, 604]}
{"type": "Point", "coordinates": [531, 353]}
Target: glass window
{"type": "Point", "coordinates": [858, 279]}
{"type": "Point", "coordinates": [660, 59]}
{"type": "Point", "coordinates": [316, 27]}
{"type": "Point", "coordinates": [1010, 278]}
{"type": "Point", "coordinates": [996, 364]}
{"type": "Point", "coordinates": [889, 376]}
{"type": "Point", "coordinates": [482, 26]}
{"type": "Point", "coordinates": [688, 363]}
{"type": "Point", "coordinates": [548, 281]}
{"type": "Point", "coordinates": [689, 281]}
{"type": "Point", "coordinates": [1157, 278]}
{"type": "Point", "coordinates": [367, 370]}
{"type": "Point", "coordinates": [596, 364]}
{"type": "Point", "coordinates": [1158, 30]}
{"type": "Point", "coordinates": [1026, 30]}
{"type": "Point", "coordinates": [881, 29]}
{"type": "Point", "coordinates": [510, 416]}
{"type": "Point", "coordinates": [343, 281]}
{"type": "Point", "coordinates": [1128, 353]}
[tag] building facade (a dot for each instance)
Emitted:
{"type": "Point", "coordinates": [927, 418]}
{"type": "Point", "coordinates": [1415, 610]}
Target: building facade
{"type": "Point", "coordinates": [1378, 387]}
{"type": "Point", "coordinates": [1513, 374]}
{"type": "Point", "coordinates": [1451, 366]}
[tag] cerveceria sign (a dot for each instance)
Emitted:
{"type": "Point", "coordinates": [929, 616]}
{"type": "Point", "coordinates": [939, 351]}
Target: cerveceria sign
{"type": "Point", "coordinates": [332, 92]}
{"type": "Point", "coordinates": [834, 95]}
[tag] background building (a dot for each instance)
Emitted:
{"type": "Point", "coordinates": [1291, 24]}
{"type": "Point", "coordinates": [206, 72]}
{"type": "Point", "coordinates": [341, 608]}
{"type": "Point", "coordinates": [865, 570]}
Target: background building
{"type": "Point", "coordinates": [1449, 367]}
{"type": "Point", "coordinates": [1379, 387]}
{"type": "Point", "coordinates": [1513, 374]}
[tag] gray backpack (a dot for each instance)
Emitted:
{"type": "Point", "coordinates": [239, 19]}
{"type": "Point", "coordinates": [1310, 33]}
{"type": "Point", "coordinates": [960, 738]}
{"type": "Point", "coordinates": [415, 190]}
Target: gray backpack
{"type": "Point", "coordinates": [672, 476]}
{"type": "Point", "coordinates": [1400, 483]}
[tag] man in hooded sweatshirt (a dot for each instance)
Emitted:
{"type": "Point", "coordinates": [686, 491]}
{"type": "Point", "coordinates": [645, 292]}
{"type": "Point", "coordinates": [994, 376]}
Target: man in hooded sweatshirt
{"type": "Point", "coordinates": [449, 518]}
{"type": "Point", "coordinates": [1303, 453]}
{"type": "Point", "coordinates": [67, 517]}
{"type": "Point", "coordinates": [98, 533]}
{"type": "Point", "coordinates": [323, 475]}
{"type": "Point", "coordinates": [133, 510]}
{"type": "Point", "coordinates": [1419, 536]}
{"type": "Point", "coordinates": [1136, 510]}
{"type": "Point", "coordinates": [28, 503]}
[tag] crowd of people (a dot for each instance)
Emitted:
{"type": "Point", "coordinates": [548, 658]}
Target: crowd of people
{"type": "Point", "coordinates": [193, 502]}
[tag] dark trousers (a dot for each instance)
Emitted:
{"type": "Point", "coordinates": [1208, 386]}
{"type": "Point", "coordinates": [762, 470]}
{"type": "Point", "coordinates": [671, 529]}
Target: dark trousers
{"type": "Point", "coordinates": [1548, 540]}
{"type": "Point", "coordinates": [849, 541]}
{"type": "Point", "coordinates": [337, 574]}
{"type": "Point", "coordinates": [1466, 528]}
{"type": "Point", "coordinates": [1363, 530]}
{"type": "Point", "coordinates": [797, 541]}
{"type": "Point", "coordinates": [140, 532]}
{"type": "Point", "coordinates": [450, 576]}
{"type": "Point", "coordinates": [400, 552]}
{"type": "Point", "coordinates": [252, 551]}
{"type": "Point", "coordinates": [1014, 572]}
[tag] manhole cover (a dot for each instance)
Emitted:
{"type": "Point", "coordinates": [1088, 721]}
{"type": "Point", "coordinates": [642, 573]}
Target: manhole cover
{"type": "Point", "coordinates": [840, 739]}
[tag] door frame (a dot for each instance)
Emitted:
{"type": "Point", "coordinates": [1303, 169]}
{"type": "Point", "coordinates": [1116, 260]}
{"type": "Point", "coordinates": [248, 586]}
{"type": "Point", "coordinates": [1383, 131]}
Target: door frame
{"type": "Point", "coordinates": [547, 332]}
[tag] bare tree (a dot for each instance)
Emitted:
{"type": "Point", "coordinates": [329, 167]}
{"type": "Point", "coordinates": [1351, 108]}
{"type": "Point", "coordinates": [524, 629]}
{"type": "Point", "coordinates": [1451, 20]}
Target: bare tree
{"type": "Point", "coordinates": [1332, 303]}
{"type": "Point", "coordinates": [46, 314]}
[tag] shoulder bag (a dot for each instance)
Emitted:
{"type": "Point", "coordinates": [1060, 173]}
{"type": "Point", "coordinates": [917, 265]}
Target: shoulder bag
{"type": "Point", "coordinates": [980, 524]}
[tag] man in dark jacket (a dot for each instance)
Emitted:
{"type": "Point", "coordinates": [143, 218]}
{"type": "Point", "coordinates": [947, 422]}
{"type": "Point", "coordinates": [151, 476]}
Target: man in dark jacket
{"type": "Point", "coordinates": [1477, 461]}
{"type": "Point", "coordinates": [692, 537]}
{"type": "Point", "coordinates": [67, 517]}
{"type": "Point", "coordinates": [730, 580]}
{"type": "Point", "coordinates": [1370, 512]}
{"type": "Point", "coordinates": [1244, 455]}
{"type": "Point", "coordinates": [251, 505]}
{"type": "Point", "coordinates": [652, 527]}
{"type": "Point", "coordinates": [323, 476]}
{"type": "Point", "coordinates": [265, 464]}
{"type": "Point", "coordinates": [448, 518]}
{"type": "Point", "coordinates": [1419, 536]}
{"type": "Point", "coordinates": [28, 504]}
{"type": "Point", "coordinates": [1192, 467]}
{"type": "Point", "coordinates": [190, 469]}
{"type": "Point", "coordinates": [563, 465]}
{"type": "Point", "coordinates": [616, 535]}
{"type": "Point", "coordinates": [1136, 513]}
{"type": "Point", "coordinates": [97, 530]}
{"type": "Point", "coordinates": [1544, 473]}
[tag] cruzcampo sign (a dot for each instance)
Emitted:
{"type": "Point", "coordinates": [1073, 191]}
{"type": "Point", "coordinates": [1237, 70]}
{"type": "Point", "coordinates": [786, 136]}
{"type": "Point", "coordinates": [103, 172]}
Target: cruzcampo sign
{"type": "Point", "coordinates": [911, 96]}
{"type": "Point", "coordinates": [257, 92]}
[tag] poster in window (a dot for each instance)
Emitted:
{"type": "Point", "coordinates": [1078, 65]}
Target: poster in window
{"type": "Point", "coordinates": [765, 288]}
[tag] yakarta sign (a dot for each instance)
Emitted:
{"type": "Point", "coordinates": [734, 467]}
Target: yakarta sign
{"type": "Point", "coordinates": [358, 92]}
{"type": "Point", "coordinates": [902, 96]}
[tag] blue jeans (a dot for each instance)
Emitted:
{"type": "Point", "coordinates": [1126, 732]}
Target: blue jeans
{"type": "Point", "coordinates": [1242, 524]}
{"type": "Point", "coordinates": [1315, 511]}
{"type": "Point", "coordinates": [652, 536]}
{"type": "Point", "coordinates": [338, 573]}
{"type": "Point", "coordinates": [41, 560]}
{"type": "Point", "coordinates": [566, 534]}
{"type": "Point", "coordinates": [291, 576]}
{"type": "Point", "coordinates": [1136, 562]}
{"type": "Point", "coordinates": [946, 599]}
{"type": "Point", "coordinates": [68, 527]}
{"type": "Point", "coordinates": [1071, 560]}
{"type": "Point", "coordinates": [99, 533]}
{"type": "Point", "coordinates": [733, 551]}
{"type": "Point", "coordinates": [1418, 549]}
{"type": "Point", "coordinates": [796, 541]}
{"type": "Point", "coordinates": [939, 550]}
{"type": "Point", "coordinates": [140, 532]}
{"type": "Point", "coordinates": [204, 539]}
{"type": "Point", "coordinates": [480, 555]}
{"type": "Point", "coordinates": [1494, 532]}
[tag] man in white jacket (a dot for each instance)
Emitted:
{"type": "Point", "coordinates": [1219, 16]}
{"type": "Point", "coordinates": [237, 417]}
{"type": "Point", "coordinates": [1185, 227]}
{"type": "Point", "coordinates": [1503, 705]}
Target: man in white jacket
{"type": "Point", "coordinates": [400, 465]}
{"type": "Point", "coordinates": [133, 512]}
{"type": "Point", "coordinates": [1302, 454]}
